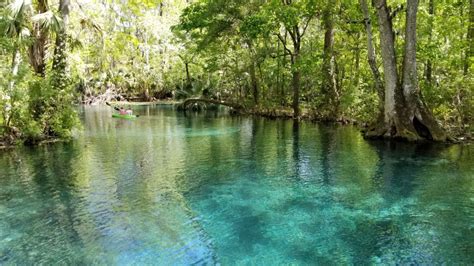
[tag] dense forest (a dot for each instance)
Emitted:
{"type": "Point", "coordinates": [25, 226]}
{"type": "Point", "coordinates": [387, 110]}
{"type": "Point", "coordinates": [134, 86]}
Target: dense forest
{"type": "Point", "coordinates": [404, 69]}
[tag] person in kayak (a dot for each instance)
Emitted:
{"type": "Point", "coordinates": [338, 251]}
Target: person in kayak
{"type": "Point", "coordinates": [122, 111]}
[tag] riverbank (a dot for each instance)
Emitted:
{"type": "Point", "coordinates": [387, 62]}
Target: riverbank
{"type": "Point", "coordinates": [10, 145]}
{"type": "Point", "coordinates": [457, 135]}
{"type": "Point", "coordinates": [162, 102]}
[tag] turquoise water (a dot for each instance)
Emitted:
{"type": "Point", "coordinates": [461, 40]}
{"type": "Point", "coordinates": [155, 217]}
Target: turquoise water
{"type": "Point", "coordinates": [210, 189]}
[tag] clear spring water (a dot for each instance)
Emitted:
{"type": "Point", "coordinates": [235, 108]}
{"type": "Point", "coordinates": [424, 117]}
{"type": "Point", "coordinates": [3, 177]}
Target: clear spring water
{"type": "Point", "coordinates": [214, 189]}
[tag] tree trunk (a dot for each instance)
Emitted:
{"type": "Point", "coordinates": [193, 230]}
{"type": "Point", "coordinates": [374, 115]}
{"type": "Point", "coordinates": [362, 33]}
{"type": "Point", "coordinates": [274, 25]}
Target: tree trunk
{"type": "Point", "coordinates": [37, 49]}
{"type": "Point", "coordinates": [296, 80]}
{"type": "Point", "coordinates": [253, 76]}
{"type": "Point", "coordinates": [188, 76]}
{"type": "Point", "coordinates": [470, 38]}
{"type": "Point", "coordinates": [429, 65]}
{"type": "Point", "coordinates": [16, 60]}
{"type": "Point", "coordinates": [371, 55]}
{"type": "Point", "coordinates": [405, 114]}
{"type": "Point", "coordinates": [329, 85]}
{"type": "Point", "coordinates": [356, 70]}
{"type": "Point", "coordinates": [254, 81]}
{"type": "Point", "coordinates": [416, 118]}
{"type": "Point", "coordinates": [60, 50]}
{"type": "Point", "coordinates": [387, 44]}
{"type": "Point", "coordinates": [295, 68]}
{"type": "Point", "coordinates": [410, 78]}
{"type": "Point", "coordinates": [280, 77]}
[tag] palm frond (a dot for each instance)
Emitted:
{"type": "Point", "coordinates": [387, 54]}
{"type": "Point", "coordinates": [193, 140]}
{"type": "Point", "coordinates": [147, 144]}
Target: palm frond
{"type": "Point", "coordinates": [24, 33]}
{"type": "Point", "coordinates": [19, 8]}
{"type": "Point", "coordinates": [49, 21]}
{"type": "Point", "coordinates": [15, 18]}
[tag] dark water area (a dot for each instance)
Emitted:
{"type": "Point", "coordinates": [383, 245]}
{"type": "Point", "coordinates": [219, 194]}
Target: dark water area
{"type": "Point", "coordinates": [209, 188]}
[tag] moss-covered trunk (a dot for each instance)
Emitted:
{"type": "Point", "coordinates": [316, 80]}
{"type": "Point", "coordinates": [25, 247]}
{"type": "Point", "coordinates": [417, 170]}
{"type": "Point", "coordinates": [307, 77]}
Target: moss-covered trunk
{"type": "Point", "coordinates": [60, 50]}
{"type": "Point", "coordinates": [37, 49]}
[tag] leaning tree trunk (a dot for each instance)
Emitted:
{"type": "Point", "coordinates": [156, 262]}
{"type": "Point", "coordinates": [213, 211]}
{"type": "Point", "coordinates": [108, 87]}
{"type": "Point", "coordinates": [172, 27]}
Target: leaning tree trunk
{"type": "Point", "coordinates": [405, 114]}
{"type": "Point", "coordinates": [37, 49]}
{"type": "Point", "coordinates": [60, 50]}
{"type": "Point", "coordinates": [371, 55]}
{"type": "Point", "coordinates": [7, 112]}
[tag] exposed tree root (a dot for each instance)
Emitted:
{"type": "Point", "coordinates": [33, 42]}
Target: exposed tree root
{"type": "Point", "coordinates": [419, 126]}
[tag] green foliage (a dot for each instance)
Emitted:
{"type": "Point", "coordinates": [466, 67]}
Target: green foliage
{"type": "Point", "coordinates": [33, 107]}
{"type": "Point", "coordinates": [140, 49]}
{"type": "Point", "coordinates": [53, 110]}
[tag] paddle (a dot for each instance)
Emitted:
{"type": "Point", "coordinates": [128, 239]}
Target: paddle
{"type": "Point", "coordinates": [115, 107]}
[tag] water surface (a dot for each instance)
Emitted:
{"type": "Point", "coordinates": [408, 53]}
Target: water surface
{"type": "Point", "coordinates": [169, 188]}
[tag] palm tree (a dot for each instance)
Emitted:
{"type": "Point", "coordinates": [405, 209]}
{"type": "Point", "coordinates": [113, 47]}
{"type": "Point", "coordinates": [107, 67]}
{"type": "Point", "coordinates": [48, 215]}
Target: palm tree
{"type": "Point", "coordinates": [16, 23]}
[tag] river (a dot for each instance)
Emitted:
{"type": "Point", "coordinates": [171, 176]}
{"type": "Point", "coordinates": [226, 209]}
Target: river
{"type": "Point", "coordinates": [209, 188]}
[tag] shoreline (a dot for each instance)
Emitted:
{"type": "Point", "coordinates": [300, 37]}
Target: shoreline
{"type": "Point", "coordinates": [159, 102]}
{"type": "Point", "coordinates": [287, 114]}
{"type": "Point", "coordinates": [267, 113]}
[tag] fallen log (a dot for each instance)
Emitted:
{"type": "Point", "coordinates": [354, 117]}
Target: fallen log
{"type": "Point", "coordinates": [189, 102]}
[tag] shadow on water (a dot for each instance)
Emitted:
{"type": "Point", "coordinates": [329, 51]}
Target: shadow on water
{"type": "Point", "coordinates": [400, 162]}
{"type": "Point", "coordinates": [48, 196]}
{"type": "Point", "coordinates": [404, 228]}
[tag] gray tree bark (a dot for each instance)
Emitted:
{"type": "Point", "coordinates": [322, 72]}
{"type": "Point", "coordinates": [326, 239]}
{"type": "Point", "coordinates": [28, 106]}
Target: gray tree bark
{"type": "Point", "coordinates": [387, 42]}
{"type": "Point", "coordinates": [405, 114]}
{"type": "Point", "coordinates": [371, 55]}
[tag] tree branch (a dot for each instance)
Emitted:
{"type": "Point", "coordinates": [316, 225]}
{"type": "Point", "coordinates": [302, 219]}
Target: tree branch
{"type": "Point", "coordinates": [293, 36]}
{"type": "Point", "coordinates": [283, 41]}
{"type": "Point", "coordinates": [306, 26]}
